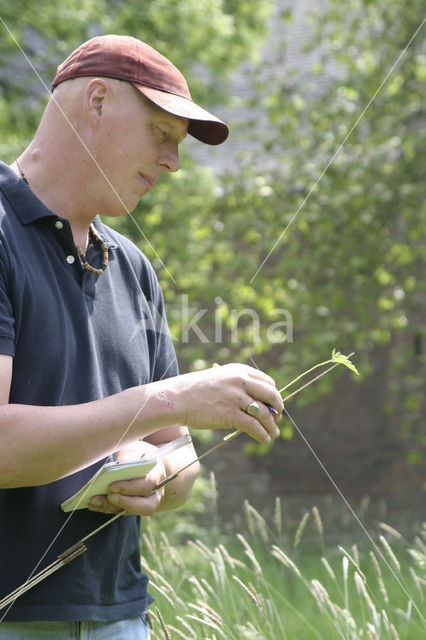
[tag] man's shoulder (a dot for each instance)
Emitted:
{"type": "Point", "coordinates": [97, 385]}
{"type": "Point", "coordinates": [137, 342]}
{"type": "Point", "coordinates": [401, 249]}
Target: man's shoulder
{"type": "Point", "coordinates": [128, 250]}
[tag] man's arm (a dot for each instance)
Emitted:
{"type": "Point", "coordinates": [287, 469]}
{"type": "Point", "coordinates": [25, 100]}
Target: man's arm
{"type": "Point", "coordinates": [42, 444]}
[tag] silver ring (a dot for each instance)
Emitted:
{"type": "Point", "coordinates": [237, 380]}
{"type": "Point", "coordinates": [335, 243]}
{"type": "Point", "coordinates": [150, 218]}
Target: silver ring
{"type": "Point", "coordinates": [253, 408]}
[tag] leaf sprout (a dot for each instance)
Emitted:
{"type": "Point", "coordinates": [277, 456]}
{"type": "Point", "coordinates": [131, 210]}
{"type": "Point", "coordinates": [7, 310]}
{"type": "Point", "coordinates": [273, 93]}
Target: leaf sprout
{"type": "Point", "coordinates": [336, 358]}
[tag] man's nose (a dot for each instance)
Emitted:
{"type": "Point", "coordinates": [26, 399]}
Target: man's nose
{"type": "Point", "coordinates": [170, 156]}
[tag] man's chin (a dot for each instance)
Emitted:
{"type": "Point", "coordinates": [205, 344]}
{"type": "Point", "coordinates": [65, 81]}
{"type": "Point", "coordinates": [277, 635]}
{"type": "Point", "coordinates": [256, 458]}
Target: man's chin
{"type": "Point", "coordinates": [122, 207]}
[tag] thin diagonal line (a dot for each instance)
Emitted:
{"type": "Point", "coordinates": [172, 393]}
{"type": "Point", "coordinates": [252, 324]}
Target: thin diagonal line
{"type": "Point", "coordinates": [85, 147]}
{"type": "Point", "coordinates": [339, 149]}
{"type": "Point", "coordinates": [377, 549]}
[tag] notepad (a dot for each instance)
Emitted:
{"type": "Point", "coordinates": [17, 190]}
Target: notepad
{"type": "Point", "coordinates": [114, 471]}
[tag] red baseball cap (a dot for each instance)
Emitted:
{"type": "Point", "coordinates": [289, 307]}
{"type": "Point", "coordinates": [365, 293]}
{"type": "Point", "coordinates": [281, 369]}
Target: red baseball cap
{"type": "Point", "coordinates": [129, 59]}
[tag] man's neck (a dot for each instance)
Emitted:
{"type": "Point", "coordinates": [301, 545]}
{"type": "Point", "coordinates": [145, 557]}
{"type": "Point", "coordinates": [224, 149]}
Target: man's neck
{"type": "Point", "coordinates": [58, 196]}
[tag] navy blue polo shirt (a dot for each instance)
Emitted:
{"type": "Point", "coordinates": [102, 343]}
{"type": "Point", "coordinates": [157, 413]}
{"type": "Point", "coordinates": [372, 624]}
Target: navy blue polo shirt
{"type": "Point", "coordinates": [74, 337]}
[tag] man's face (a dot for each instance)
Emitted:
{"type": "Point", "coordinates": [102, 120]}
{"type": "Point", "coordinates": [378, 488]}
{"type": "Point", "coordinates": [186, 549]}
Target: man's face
{"type": "Point", "coordinates": [135, 143]}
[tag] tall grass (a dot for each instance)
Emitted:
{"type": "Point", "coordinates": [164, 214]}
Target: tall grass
{"type": "Point", "coordinates": [264, 582]}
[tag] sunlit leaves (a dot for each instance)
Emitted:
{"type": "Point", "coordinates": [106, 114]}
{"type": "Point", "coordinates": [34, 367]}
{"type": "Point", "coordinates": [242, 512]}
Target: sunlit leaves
{"type": "Point", "coordinates": [340, 358]}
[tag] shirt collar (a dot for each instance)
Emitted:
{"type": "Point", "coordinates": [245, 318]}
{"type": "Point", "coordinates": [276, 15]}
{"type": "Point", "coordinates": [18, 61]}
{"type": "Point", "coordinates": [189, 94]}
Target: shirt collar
{"type": "Point", "coordinates": [28, 207]}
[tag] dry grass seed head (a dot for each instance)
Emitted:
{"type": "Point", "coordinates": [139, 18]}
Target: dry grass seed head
{"type": "Point", "coordinates": [200, 548]}
{"type": "Point", "coordinates": [270, 609]}
{"type": "Point", "coordinates": [320, 593]}
{"type": "Point", "coordinates": [164, 629]}
{"type": "Point", "coordinates": [150, 540]}
{"type": "Point", "coordinates": [362, 590]}
{"type": "Point", "coordinates": [345, 567]}
{"type": "Point", "coordinates": [213, 592]}
{"type": "Point", "coordinates": [233, 562]}
{"type": "Point", "coordinates": [278, 521]}
{"type": "Point", "coordinates": [393, 532]}
{"type": "Point", "coordinates": [206, 611]}
{"type": "Point", "coordinates": [390, 553]}
{"type": "Point", "coordinates": [419, 559]}
{"type": "Point", "coordinates": [422, 547]}
{"type": "Point", "coordinates": [261, 524]}
{"type": "Point", "coordinates": [417, 581]}
{"type": "Point", "coordinates": [355, 554]}
{"type": "Point", "coordinates": [363, 505]}
{"type": "Point", "coordinates": [177, 560]}
{"type": "Point", "coordinates": [300, 529]}
{"type": "Point", "coordinates": [359, 585]}
{"type": "Point", "coordinates": [215, 573]}
{"type": "Point", "coordinates": [259, 601]}
{"type": "Point", "coordinates": [353, 563]}
{"type": "Point", "coordinates": [248, 632]}
{"type": "Point", "coordinates": [171, 551]}
{"type": "Point", "coordinates": [188, 627]}
{"type": "Point", "coordinates": [278, 553]}
{"type": "Point", "coordinates": [213, 487]}
{"type": "Point", "coordinates": [159, 578]}
{"type": "Point", "coordinates": [197, 586]}
{"type": "Point", "coordinates": [172, 602]}
{"type": "Point", "coordinates": [379, 577]}
{"type": "Point", "coordinates": [249, 517]}
{"type": "Point", "coordinates": [207, 623]}
{"type": "Point", "coordinates": [385, 619]}
{"type": "Point", "coordinates": [318, 521]}
{"type": "Point", "coordinates": [221, 568]}
{"type": "Point", "coordinates": [164, 541]}
{"type": "Point", "coordinates": [371, 632]}
{"type": "Point", "coordinates": [177, 633]}
{"type": "Point", "coordinates": [328, 568]}
{"type": "Point", "coordinates": [406, 614]}
{"type": "Point", "coordinates": [251, 555]}
{"type": "Point", "coordinates": [246, 589]}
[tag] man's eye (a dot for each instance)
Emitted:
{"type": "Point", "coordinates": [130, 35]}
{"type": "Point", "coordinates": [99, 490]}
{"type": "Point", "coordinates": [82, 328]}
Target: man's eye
{"type": "Point", "coordinates": [161, 134]}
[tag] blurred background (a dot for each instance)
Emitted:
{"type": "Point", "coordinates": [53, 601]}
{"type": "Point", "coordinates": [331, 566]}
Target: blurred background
{"type": "Point", "coordinates": [304, 232]}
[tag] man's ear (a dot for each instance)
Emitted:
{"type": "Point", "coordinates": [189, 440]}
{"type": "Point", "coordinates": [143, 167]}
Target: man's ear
{"type": "Point", "coordinates": [94, 96]}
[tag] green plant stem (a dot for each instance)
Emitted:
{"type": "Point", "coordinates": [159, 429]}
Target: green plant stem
{"type": "Point", "coordinates": [305, 373]}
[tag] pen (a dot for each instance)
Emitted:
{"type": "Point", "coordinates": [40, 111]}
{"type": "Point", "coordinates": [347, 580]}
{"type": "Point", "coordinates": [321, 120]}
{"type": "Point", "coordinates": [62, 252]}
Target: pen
{"type": "Point", "coordinates": [271, 409]}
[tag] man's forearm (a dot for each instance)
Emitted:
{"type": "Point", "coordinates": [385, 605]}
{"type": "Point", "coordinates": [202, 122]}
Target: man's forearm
{"type": "Point", "coordinates": [44, 444]}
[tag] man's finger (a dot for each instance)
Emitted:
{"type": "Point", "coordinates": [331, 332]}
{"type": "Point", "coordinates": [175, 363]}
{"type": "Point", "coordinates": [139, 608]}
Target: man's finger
{"type": "Point", "coordinates": [137, 505]}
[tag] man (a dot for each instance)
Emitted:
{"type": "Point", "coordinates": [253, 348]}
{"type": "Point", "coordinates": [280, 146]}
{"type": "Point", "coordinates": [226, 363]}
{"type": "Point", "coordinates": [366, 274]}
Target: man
{"type": "Point", "coordinates": [77, 382]}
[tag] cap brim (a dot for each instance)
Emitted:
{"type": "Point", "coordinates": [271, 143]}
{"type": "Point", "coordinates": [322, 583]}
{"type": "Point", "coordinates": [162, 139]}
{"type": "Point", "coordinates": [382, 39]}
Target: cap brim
{"type": "Point", "coordinates": [203, 125]}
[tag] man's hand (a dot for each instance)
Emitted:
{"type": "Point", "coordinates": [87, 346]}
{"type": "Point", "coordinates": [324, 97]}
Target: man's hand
{"type": "Point", "coordinates": [129, 494]}
{"type": "Point", "coordinates": [218, 398]}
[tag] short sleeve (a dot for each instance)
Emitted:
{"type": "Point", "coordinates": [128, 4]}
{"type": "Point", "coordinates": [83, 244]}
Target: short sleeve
{"type": "Point", "coordinates": [165, 364]}
{"type": "Point", "coordinates": [164, 361]}
{"type": "Point", "coordinates": [7, 320]}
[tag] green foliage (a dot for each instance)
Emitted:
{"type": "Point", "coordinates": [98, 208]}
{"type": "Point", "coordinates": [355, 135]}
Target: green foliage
{"type": "Point", "coordinates": [206, 39]}
{"type": "Point", "coordinates": [350, 266]}
{"type": "Point", "coordinates": [343, 255]}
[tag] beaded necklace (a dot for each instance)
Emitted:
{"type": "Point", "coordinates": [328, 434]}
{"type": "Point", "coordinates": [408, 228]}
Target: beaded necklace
{"type": "Point", "coordinates": [81, 254]}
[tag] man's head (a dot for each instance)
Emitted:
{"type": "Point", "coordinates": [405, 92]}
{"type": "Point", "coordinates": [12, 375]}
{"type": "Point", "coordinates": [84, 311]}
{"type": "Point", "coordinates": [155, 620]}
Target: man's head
{"type": "Point", "coordinates": [112, 126]}
{"type": "Point", "coordinates": [114, 142]}
{"type": "Point", "coordinates": [153, 75]}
